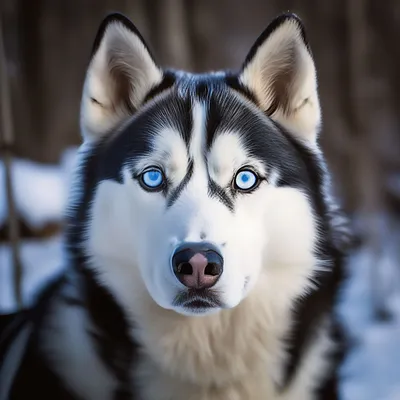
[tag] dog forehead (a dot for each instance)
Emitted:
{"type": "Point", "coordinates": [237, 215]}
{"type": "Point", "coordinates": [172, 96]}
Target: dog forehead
{"type": "Point", "coordinates": [167, 122]}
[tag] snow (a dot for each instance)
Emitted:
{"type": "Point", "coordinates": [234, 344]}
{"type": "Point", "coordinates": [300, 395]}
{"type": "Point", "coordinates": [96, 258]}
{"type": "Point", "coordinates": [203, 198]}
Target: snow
{"type": "Point", "coordinates": [371, 370]}
{"type": "Point", "coordinates": [40, 190]}
{"type": "Point", "coordinates": [41, 261]}
{"type": "Point", "coordinates": [40, 194]}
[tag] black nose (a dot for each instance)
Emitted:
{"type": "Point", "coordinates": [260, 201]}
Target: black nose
{"type": "Point", "coordinates": [197, 265]}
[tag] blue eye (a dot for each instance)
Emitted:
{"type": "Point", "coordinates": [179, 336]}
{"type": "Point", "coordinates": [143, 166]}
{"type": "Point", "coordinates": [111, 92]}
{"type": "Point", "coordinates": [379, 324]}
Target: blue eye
{"type": "Point", "coordinates": [152, 178]}
{"type": "Point", "coordinates": [246, 180]}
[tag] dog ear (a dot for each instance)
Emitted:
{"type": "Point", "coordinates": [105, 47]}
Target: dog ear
{"type": "Point", "coordinates": [120, 74]}
{"type": "Point", "coordinates": [280, 71]}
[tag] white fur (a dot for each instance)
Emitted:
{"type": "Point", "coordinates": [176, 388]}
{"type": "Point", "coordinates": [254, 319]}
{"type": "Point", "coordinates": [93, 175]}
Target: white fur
{"type": "Point", "coordinates": [256, 384]}
{"type": "Point", "coordinates": [120, 50]}
{"type": "Point", "coordinates": [197, 142]}
{"type": "Point", "coordinates": [267, 242]}
{"type": "Point", "coordinates": [270, 63]}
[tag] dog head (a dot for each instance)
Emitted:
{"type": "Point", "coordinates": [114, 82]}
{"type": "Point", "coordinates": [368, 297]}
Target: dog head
{"type": "Point", "coordinates": [200, 185]}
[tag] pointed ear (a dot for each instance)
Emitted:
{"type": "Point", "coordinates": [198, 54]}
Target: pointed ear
{"type": "Point", "coordinates": [120, 74]}
{"type": "Point", "coordinates": [280, 71]}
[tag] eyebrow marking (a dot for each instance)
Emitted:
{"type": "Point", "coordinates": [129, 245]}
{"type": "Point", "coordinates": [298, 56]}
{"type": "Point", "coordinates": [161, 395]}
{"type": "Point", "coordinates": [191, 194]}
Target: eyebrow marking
{"type": "Point", "coordinates": [214, 190]}
{"type": "Point", "coordinates": [178, 190]}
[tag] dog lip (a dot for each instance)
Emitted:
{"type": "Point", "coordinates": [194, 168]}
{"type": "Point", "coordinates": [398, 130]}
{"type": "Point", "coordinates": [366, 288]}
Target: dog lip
{"type": "Point", "coordinates": [199, 304]}
{"type": "Point", "coordinates": [198, 299]}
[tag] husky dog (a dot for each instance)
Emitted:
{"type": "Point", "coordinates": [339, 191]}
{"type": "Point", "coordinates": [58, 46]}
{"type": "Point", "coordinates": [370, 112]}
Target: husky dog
{"type": "Point", "coordinates": [203, 249]}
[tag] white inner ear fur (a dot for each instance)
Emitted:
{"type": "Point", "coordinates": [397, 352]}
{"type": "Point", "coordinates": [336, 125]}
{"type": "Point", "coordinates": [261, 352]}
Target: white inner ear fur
{"type": "Point", "coordinates": [282, 74]}
{"type": "Point", "coordinates": [121, 72]}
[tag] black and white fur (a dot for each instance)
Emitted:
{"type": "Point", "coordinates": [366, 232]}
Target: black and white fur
{"type": "Point", "coordinates": [110, 327]}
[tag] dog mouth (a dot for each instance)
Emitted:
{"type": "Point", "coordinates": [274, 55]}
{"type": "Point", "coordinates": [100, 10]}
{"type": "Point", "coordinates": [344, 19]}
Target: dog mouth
{"type": "Point", "coordinates": [198, 300]}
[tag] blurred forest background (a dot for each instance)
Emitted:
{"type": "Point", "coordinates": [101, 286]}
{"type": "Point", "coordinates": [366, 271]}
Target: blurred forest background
{"type": "Point", "coordinates": [355, 45]}
{"type": "Point", "coordinates": [357, 53]}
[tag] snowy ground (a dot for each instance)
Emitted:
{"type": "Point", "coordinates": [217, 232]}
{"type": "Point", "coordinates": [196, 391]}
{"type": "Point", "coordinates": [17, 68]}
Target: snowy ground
{"type": "Point", "coordinates": [372, 369]}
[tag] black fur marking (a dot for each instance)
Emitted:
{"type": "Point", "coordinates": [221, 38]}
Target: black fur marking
{"type": "Point", "coordinates": [182, 113]}
{"type": "Point", "coordinates": [36, 380]}
{"type": "Point", "coordinates": [232, 80]}
{"type": "Point", "coordinates": [216, 191]}
{"type": "Point", "coordinates": [273, 26]}
{"type": "Point", "coordinates": [167, 82]}
{"type": "Point", "coordinates": [78, 214]}
{"type": "Point", "coordinates": [329, 388]}
{"type": "Point", "coordinates": [10, 325]}
{"type": "Point", "coordinates": [175, 193]}
{"type": "Point", "coordinates": [214, 119]}
{"type": "Point", "coordinates": [203, 90]}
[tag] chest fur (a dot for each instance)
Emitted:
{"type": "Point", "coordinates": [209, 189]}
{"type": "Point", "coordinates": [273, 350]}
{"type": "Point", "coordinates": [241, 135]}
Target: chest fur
{"type": "Point", "coordinates": [260, 381]}
{"type": "Point", "coordinates": [237, 354]}
{"type": "Point", "coordinates": [155, 384]}
{"type": "Point", "coordinates": [240, 355]}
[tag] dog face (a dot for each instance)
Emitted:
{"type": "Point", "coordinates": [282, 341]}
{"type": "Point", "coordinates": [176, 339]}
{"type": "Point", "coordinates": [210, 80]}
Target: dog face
{"type": "Point", "coordinates": [199, 183]}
